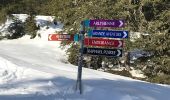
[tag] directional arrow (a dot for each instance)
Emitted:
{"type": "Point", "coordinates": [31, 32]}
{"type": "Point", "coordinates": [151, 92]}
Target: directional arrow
{"type": "Point", "coordinates": [119, 53]}
{"type": "Point", "coordinates": [125, 34]}
{"type": "Point", "coordinates": [101, 51]}
{"type": "Point", "coordinates": [120, 44]}
{"type": "Point", "coordinates": [49, 37]}
{"type": "Point", "coordinates": [121, 23]}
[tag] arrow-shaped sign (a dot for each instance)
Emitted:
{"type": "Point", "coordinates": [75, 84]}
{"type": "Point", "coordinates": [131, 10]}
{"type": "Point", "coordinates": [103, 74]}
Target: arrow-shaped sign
{"type": "Point", "coordinates": [60, 37]}
{"type": "Point", "coordinates": [101, 51]}
{"type": "Point", "coordinates": [103, 42]}
{"type": "Point", "coordinates": [108, 33]}
{"type": "Point", "coordinates": [105, 23]}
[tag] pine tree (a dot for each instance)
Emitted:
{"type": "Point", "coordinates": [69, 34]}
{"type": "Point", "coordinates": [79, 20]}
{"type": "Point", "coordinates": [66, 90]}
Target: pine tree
{"type": "Point", "coordinates": [16, 29]}
{"type": "Point", "coordinates": [31, 27]}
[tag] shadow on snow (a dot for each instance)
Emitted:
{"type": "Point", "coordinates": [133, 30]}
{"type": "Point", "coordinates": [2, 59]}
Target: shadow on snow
{"type": "Point", "coordinates": [62, 88]}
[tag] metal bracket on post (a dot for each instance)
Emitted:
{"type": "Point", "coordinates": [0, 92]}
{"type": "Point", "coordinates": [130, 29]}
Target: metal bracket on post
{"type": "Point", "coordinates": [80, 63]}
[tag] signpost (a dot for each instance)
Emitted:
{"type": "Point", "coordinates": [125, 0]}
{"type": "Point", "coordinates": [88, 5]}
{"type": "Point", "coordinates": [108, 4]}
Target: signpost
{"type": "Point", "coordinates": [60, 37]}
{"type": "Point", "coordinates": [108, 33]}
{"type": "Point", "coordinates": [80, 63]}
{"type": "Point", "coordinates": [105, 52]}
{"type": "Point", "coordinates": [103, 42]}
{"type": "Point", "coordinates": [105, 23]}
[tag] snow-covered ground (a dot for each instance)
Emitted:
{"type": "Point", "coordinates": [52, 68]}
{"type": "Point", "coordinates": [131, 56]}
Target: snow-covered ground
{"type": "Point", "coordinates": [37, 69]}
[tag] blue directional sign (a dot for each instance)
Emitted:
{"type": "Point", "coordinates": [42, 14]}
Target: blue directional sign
{"type": "Point", "coordinates": [108, 33]}
{"type": "Point", "coordinates": [101, 51]}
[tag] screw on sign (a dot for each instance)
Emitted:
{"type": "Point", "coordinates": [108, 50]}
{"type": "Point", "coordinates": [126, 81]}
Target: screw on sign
{"type": "Point", "coordinates": [60, 37]}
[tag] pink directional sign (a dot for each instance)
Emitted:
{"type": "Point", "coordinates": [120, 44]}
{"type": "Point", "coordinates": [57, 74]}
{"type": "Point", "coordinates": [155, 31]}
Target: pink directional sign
{"type": "Point", "coordinates": [106, 23]}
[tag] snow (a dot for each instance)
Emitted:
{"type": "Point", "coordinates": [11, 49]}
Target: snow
{"type": "Point", "coordinates": [134, 36]}
{"type": "Point", "coordinates": [3, 27]}
{"type": "Point", "coordinates": [44, 21]}
{"type": "Point", "coordinates": [37, 69]}
{"type": "Point", "coordinates": [46, 24]}
{"type": "Point", "coordinates": [21, 17]}
{"type": "Point", "coordinates": [43, 18]}
{"type": "Point", "coordinates": [137, 73]}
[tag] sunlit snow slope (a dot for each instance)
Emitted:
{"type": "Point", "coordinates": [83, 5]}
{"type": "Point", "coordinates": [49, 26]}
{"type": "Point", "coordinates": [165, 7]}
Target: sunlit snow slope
{"type": "Point", "coordinates": [37, 69]}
